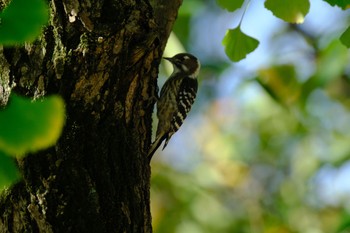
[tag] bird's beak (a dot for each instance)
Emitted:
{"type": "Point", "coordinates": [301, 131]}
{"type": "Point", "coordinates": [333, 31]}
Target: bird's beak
{"type": "Point", "coordinates": [169, 59]}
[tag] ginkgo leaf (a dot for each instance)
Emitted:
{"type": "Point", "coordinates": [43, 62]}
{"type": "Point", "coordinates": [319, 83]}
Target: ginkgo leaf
{"type": "Point", "coordinates": [9, 173]}
{"type": "Point", "coordinates": [27, 126]}
{"type": "Point", "coordinates": [22, 20]}
{"type": "Point", "coordinates": [345, 38]}
{"type": "Point", "coordinates": [341, 3]}
{"type": "Point", "coordinates": [230, 5]}
{"type": "Point", "coordinates": [238, 45]}
{"type": "Point", "coordinates": [292, 11]}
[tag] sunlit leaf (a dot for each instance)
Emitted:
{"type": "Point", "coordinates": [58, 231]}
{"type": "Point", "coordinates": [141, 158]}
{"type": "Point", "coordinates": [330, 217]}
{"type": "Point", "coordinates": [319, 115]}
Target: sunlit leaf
{"type": "Point", "coordinates": [27, 126]}
{"type": "Point", "coordinates": [341, 3]}
{"type": "Point", "coordinates": [345, 38]}
{"type": "Point", "coordinates": [292, 11]}
{"type": "Point", "coordinates": [22, 21]}
{"type": "Point", "coordinates": [230, 5]}
{"type": "Point", "coordinates": [9, 173]}
{"type": "Point", "coordinates": [238, 45]}
{"type": "Point", "coordinates": [181, 28]}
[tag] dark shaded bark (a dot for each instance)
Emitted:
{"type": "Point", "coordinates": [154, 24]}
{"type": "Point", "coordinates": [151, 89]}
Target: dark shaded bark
{"type": "Point", "coordinates": [105, 66]}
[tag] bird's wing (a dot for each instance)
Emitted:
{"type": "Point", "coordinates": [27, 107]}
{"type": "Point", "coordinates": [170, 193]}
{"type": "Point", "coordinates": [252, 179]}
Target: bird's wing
{"type": "Point", "coordinates": [185, 99]}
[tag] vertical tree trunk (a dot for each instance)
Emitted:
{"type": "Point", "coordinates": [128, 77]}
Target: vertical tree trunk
{"type": "Point", "coordinates": [102, 57]}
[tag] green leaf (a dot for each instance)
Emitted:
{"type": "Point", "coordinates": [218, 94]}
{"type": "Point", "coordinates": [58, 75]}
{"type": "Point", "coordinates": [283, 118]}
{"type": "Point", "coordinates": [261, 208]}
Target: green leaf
{"type": "Point", "coordinates": [27, 126]}
{"type": "Point", "coordinates": [341, 3]}
{"type": "Point", "coordinates": [292, 11]}
{"type": "Point", "coordinates": [9, 173]}
{"type": "Point", "coordinates": [230, 5]}
{"type": "Point", "coordinates": [22, 20]}
{"type": "Point", "coordinates": [238, 45]}
{"type": "Point", "coordinates": [345, 38]}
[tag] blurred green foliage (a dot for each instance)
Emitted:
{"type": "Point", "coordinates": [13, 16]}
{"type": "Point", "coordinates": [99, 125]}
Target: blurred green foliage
{"type": "Point", "coordinates": [269, 154]}
{"type": "Point", "coordinates": [25, 125]}
{"type": "Point", "coordinates": [8, 171]}
{"type": "Point", "coordinates": [22, 20]}
{"type": "Point", "coordinates": [345, 38]}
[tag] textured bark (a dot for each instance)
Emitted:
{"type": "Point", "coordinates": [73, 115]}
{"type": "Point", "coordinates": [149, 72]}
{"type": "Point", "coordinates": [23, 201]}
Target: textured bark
{"type": "Point", "coordinates": [102, 57]}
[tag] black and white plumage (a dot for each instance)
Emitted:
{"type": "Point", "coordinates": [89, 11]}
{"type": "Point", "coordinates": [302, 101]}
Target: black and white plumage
{"type": "Point", "coordinates": [176, 98]}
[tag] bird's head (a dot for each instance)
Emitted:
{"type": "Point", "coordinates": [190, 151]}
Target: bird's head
{"type": "Point", "coordinates": [186, 64]}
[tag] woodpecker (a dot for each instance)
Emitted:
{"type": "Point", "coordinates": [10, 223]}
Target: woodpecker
{"type": "Point", "coordinates": [176, 98]}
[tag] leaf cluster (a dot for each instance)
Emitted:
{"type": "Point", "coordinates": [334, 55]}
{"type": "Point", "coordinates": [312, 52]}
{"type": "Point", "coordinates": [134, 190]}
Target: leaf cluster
{"type": "Point", "coordinates": [26, 126]}
{"type": "Point", "coordinates": [238, 45]}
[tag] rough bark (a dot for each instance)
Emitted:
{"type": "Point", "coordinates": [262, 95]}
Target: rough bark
{"type": "Point", "coordinates": [102, 57]}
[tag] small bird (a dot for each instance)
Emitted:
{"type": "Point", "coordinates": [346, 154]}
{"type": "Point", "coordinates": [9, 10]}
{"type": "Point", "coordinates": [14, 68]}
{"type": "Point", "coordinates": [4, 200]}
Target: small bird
{"type": "Point", "coordinates": [176, 98]}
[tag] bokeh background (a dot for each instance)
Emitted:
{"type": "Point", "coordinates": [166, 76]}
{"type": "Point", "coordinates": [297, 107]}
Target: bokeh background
{"type": "Point", "coordinates": [266, 147]}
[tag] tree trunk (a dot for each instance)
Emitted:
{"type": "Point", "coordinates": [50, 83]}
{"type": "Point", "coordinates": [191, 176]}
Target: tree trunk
{"type": "Point", "coordinates": [102, 57]}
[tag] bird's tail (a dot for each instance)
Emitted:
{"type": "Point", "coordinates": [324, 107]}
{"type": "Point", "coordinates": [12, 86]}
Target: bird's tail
{"type": "Point", "coordinates": [166, 142]}
{"type": "Point", "coordinates": [154, 146]}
